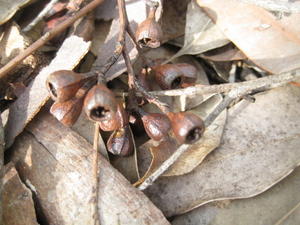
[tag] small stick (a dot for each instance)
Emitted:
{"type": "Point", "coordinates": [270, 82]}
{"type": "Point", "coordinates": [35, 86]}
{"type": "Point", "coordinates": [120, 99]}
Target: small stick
{"type": "Point", "coordinates": [40, 16]}
{"type": "Point", "coordinates": [268, 82]}
{"type": "Point", "coordinates": [47, 36]}
{"type": "Point", "coordinates": [95, 167]}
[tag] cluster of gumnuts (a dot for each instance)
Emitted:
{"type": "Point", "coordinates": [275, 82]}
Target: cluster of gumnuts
{"type": "Point", "coordinates": [73, 91]}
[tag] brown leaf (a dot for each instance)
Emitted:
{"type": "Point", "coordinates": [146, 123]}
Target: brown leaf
{"type": "Point", "coordinates": [18, 207]}
{"type": "Point", "coordinates": [268, 42]}
{"type": "Point", "coordinates": [36, 95]}
{"type": "Point", "coordinates": [257, 136]}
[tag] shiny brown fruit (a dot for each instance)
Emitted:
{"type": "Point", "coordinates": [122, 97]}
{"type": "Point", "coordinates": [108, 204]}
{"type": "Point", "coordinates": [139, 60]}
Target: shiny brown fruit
{"type": "Point", "coordinates": [156, 125]}
{"type": "Point", "coordinates": [120, 142]}
{"type": "Point", "coordinates": [187, 127]}
{"type": "Point", "coordinates": [67, 112]}
{"type": "Point", "coordinates": [63, 84]}
{"type": "Point", "coordinates": [100, 103]}
{"type": "Point", "coordinates": [189, 72]}
{"type": "Point", "coordinates": [168, 76]}
{"type": "Point", "coordinates": [149, 33]}
{"type": "Point", "coordinates": [119, 120]}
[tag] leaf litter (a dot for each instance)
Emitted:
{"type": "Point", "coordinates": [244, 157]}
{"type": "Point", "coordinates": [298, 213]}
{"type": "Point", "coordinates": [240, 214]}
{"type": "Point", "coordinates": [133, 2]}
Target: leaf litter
{"type": "Point", "coordinates": [235, 158]}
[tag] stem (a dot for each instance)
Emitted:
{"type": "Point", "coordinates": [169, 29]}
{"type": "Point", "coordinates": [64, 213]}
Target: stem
{"type": "Point", "coordinates": [95, 168]}
{"type": "Point", "coordinates": [47, 36]}
{"type": "Point", "coordinates": [266, 82]}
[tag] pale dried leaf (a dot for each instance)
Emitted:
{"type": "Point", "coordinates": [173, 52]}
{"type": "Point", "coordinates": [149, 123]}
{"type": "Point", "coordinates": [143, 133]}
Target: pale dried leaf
{"type": "Point", "coordinates": [8, 8]}
{"type": "Point", "coordinates": [36, 95]}
{"type": "Point", "coordinates": [18, 207]}
{"type": "Point", "coordinates": [64, 159]}
{"type": "Point", "coordinates": [274, 203]}
{"type": "Point", "coordinates": [257, 136]}
{"type": "Point", "coordinates": [268, 42]}
{"type": "Point", "coordinates": [201, 34]}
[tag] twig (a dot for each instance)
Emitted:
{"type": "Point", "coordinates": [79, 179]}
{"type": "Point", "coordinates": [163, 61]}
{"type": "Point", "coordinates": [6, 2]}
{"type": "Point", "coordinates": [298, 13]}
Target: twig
{"type": "Point", "coordinates": [133, 82]}
{"type": "Point", "coordinates": [287, 215]}
{"type": "Point", "coordinates": [40, 16]}
{"type": "Point", "coordinates": [47, 36]}
{"type": "Point", "coordinates": [280, 6]}
{"type": "Point", "coordinates": [164, 167]}
{"type": "Point", "coordinates": [95, 168]}
{"type": "Point", "coordinates": [267, 82]}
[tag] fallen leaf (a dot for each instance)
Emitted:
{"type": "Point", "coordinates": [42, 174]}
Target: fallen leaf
{"type": "Point", "coordinates": [270, 43]}
{"type": "Point", "coordinates": [18, 207]}
{"type": "Point", "coordinates": [201, 34]}
{"type": "Point", "coordinates": [226, 53]}
{"type": "Point", "coordinates": [173, 18]}
{"type": "Point", "coordinates": [278, 200]}
{"type": "Point", "coordinates": [36, 95]}
{"type": "Point", "coordinates": [64, 159]}
{"type": "Point", "coordinates": [9, 8]}
{"type": "Point", "coordinates": [257, 136]}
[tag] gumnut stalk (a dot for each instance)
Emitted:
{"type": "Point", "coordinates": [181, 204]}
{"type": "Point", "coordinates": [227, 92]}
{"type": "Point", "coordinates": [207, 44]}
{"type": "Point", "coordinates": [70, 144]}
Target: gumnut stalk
{"type": "Point", "coordinates": [187, 127]}
{"type": "Point", "coordinates": [120, 142]}
{"type": "Point", "coordinates": [100, 104]}
{"type": "Point", "coordinates": [63, 84]}
{"type": "Point", "coordinates": [149, 33]}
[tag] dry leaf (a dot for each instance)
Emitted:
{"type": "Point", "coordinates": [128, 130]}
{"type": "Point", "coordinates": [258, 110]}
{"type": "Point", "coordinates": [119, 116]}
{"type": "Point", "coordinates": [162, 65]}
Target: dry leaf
{"type": "Point", "coordinates": [268, 42]}
{"type": "Point", "coordinates": [260, 147]}
{"type": "Point", "coordinates": [173, 18]}
{"type": "Point", "coordinates": [201, 34]}
{"type": "Point", "coordinates": [197, 152]}
{"type": "Point", "coordinates": [36, 95]}
{"type": "Point", "coordinates": [8, 8]}
{"type": "Point", "coordinates": [274, 203]}
{"type": "Point", "coordinates": [226, 53]}
{"type": "Point", "coordinates": [18, 207]}
{"type": "Point", "coordinates": [64, 159]}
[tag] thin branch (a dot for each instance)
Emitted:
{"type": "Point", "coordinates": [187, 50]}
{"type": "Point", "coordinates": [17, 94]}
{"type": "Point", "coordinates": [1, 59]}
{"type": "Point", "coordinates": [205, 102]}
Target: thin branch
{"type": "Point", "coordinates": [41, 15]}
{"type": "Point", "coordinates": [279, 6]}
{"type": "Point", "coordinates": [47, 36]}
{"type": "Point", "coordinates": [95, 168]}
{"type": "Point", "coordinates": [133, 82]}
{"type": "Point", "coordinates": [267, 82]}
